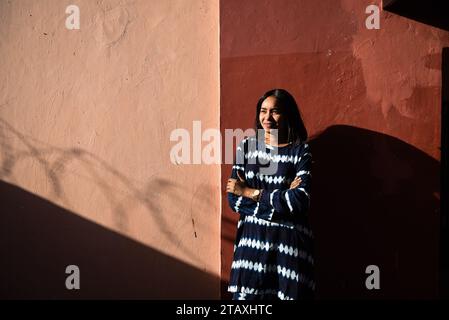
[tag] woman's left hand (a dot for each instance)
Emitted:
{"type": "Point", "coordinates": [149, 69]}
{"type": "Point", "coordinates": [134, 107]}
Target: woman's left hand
{"type": "Point", "coordinates": [235, 186]}
{"type": "Point", "coordinates": [295, 183]}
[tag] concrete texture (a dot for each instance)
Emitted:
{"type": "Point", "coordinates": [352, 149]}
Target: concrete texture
{"type": "Point", "coordinates": [86, 116]}
{"type": "Point", "coordinates": [372, 90]}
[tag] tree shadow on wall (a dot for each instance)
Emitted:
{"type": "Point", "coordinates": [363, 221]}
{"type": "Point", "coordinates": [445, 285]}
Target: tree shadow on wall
{"type": "Point", "coordinates": [121, 193]}
{"type": "Point", "coordinates": [39, 239]}
{"type": "Point", "coordinates": [375, 201]}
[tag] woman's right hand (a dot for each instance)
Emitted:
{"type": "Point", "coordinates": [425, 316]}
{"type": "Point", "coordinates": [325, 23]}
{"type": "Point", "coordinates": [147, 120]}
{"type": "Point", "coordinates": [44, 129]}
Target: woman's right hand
{"type": "Point", "coordinates": [235, 186]}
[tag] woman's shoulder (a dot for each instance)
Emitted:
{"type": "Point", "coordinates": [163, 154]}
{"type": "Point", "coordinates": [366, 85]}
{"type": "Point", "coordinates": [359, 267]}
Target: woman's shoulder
{"type": "Point", "coordinates": [304, 146]}
{"type": "Point", "coordinates": [301, 149]}
{"type": "Point", "coordinates": [251, 143]}
{"type": "Point", "coordinates": [245, 142]}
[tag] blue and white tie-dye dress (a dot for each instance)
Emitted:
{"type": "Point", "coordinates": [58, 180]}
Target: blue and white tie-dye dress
{"type": "Point", "coordinates": [273, 251]}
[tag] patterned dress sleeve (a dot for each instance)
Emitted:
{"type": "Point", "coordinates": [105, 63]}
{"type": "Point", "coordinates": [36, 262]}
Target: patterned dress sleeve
{"type": "Point", "coordinates": [292, 202]}
{"type": "Point", "coordinates": [240, 204]}
{"type": "Point", "coordinates": [276, 204]}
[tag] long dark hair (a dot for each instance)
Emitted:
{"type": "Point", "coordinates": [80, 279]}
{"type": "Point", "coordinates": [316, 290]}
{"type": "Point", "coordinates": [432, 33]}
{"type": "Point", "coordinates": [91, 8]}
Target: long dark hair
{"type": "Point", "coordinates": [297, 132]}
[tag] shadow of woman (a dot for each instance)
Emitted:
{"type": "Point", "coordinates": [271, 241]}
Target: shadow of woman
{"type": "Point", "coordinates": [375, 201]}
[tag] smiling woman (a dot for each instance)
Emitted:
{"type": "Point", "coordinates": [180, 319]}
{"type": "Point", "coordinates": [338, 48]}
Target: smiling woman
{"type": "Point", "coordinates": [273, 256]}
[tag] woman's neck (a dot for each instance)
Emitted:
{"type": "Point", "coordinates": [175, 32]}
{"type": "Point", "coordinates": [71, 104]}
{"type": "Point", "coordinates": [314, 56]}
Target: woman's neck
{"type": "Point", "coordinates": [273, 140]}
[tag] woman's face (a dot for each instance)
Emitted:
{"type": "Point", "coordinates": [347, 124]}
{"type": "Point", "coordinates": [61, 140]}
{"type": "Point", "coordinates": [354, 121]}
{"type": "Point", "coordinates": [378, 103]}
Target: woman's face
{"type": "Point", "coordinates": [271, 116]}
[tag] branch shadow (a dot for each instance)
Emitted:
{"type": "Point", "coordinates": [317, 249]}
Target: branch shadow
{"type": "Point", "coordinates": [121, 192]}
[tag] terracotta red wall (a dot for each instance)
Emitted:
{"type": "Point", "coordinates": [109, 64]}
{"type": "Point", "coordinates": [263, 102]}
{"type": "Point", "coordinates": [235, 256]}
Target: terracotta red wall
{"type": "Point", "coordinates": [371, 103]}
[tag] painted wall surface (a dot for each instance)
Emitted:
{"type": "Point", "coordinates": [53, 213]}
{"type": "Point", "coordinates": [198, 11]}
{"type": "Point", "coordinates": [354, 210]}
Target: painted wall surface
{"type": "Point", "coordinates": [371, 100]}
{"type": "Point", "coordinates": [85, 123]}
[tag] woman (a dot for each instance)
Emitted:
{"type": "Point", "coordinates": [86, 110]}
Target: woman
{"type": "Point", "coordinates": [273, 247]}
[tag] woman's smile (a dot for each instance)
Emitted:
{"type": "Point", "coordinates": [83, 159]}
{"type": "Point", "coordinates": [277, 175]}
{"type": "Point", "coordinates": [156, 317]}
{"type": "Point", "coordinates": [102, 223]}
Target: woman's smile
{"type": "Point", "coordinates": [270, 124]}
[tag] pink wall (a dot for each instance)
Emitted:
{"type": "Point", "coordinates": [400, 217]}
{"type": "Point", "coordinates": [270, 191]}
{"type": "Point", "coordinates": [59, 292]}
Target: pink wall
{"type": "Point", "coordinates": [85, 123]}
{"type": "Point", "coordinates": [371, 101]}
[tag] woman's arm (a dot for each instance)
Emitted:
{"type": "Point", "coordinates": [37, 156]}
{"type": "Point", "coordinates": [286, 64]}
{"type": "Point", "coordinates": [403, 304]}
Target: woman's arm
{"type": "Point", "coordinates": [294, 201]}
{"type": "Point", "coordinates": [239, 194]}
{"type": "Point", "coordinates": [279, 204]}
